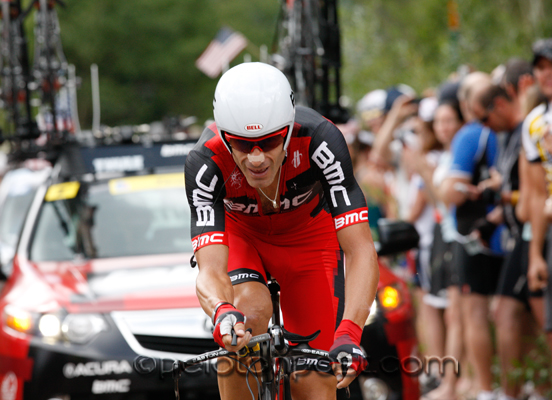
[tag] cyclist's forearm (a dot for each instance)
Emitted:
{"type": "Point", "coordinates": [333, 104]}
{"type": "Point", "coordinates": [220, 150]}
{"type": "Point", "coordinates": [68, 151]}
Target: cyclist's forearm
{"type": "Point", "coordinates": [213, 284]}
{"type": "Point", "coordinates": [361, 282]}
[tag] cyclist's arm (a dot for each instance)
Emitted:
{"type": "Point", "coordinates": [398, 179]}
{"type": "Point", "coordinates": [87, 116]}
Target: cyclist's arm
{"type": "Point", "coordinates": [205, 191]}
{"type": "Point", "coordinates": [346, 202]}
{"type": "Point", "coordinates": [362, 271]}
{"type": "Point", "coordinates": [213, 283]}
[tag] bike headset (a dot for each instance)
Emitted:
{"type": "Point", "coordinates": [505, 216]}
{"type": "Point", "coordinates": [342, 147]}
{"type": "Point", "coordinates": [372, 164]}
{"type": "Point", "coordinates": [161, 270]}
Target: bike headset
{"type": "Point", "coordinates": [254, 107]}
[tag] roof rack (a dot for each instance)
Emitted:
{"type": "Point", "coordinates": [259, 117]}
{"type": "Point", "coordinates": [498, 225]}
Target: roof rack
{"type": "Point", "coordinates": [125, 157]}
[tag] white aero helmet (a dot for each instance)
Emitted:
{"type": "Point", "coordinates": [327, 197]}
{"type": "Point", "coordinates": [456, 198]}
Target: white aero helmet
{"type": "Point", "coordinates": [253, 100]}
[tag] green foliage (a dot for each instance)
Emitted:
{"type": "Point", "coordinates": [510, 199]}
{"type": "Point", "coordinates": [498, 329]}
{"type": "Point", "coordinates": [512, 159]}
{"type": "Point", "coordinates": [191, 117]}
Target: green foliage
{"type": "Point", "coordinates": [409, 41]}
{"type": "Point", "coordinates": [534, 368]}
{"type": "Point", "coordinates": [146, 49]}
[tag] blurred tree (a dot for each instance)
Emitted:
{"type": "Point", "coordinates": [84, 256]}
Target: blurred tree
{"type": "Point", "coordinates": [145, 51]}
{"type": "Point", "coordinates": [412, 42]}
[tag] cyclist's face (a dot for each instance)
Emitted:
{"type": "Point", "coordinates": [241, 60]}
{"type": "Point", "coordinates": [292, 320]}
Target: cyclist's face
{"type": "Point", "coordinates": [543, 75]}
{"type": "Point", "coordinates": [260, 168]}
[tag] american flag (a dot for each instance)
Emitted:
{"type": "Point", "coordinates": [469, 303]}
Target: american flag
{"type": "Point", "coordinates": [222, 49]}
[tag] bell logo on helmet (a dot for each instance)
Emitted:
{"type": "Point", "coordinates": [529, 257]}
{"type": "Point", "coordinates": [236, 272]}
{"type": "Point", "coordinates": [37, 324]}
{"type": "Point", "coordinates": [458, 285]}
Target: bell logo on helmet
{"type": "Point", "coordinates": [253, 127]}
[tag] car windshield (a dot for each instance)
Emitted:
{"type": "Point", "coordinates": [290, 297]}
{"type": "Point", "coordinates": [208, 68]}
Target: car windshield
{"type": "Point", "coordinates": [129, 216]}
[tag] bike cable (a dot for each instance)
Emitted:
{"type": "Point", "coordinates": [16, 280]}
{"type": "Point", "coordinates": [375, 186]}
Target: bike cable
{"type": "Point", "coordinates": [248, 371]}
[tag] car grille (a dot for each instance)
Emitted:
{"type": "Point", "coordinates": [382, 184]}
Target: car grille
{"type": "Point", "coordinates": [167, 332]}
{"type": "Point", "coordinates": [176, 344]}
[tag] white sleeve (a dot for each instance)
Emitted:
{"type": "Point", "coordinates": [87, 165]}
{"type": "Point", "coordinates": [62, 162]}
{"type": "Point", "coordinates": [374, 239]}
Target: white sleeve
{"type": "Point", "coordinates": [530, 133]}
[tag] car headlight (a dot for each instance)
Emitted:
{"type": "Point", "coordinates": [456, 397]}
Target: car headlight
{"type": "Point", "coordinates": [49, 326]}
{"type": "Point", "coordinates": [74, 328]}
{"type": "Point", "coordinates": [389, 297]}
{"type": "Point", "coordinates": [81, 328]}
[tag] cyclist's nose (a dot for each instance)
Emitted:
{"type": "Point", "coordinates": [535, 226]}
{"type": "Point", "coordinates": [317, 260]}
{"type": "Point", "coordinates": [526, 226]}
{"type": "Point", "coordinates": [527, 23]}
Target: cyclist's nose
{"type": "Point", "coordinates": [256, 157]}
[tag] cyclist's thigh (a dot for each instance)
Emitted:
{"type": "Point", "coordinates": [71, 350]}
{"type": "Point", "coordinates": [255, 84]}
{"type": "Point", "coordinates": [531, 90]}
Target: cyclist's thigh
{"type": "Point", "coordinates": [312, 292]}
{"type": "Point", "coordinates": [244, 263]}
{"type": "Point", "coordinates": [248, 276]}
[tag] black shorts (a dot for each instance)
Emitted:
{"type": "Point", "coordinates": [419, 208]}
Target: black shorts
{"type": "Point", "coordinates": [513, 277]}
{"type": "Point", "coordinates": [442, 273]}
{"type": "Point", "coordinates": [477, 273]}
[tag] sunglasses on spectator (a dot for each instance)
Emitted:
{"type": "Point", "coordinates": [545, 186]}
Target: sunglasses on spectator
{"type": "Point", "coordinates": [484, 119]}
{"type": "Point", "coordinates": [265, 143]}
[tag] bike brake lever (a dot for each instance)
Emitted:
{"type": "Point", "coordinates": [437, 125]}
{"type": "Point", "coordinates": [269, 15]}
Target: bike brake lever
{"type": "Point", "coordinates": [235, 337]}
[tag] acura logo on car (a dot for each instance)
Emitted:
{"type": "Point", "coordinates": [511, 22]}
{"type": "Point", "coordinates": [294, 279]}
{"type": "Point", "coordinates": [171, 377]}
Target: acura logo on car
{"type": "Point", "coordinates": [96, 368]}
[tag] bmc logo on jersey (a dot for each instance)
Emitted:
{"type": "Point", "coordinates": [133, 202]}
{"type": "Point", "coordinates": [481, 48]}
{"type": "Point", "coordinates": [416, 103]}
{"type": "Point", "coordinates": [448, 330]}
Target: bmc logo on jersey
{"type": "Point", "coordinates": [351, 218]}
{"type": "Point", "coordinates": [253, 127]}
{"type": "Point", "coordinates": [208, 238]}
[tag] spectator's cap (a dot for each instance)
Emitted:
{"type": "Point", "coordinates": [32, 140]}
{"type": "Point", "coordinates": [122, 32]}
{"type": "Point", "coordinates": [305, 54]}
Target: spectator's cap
{"type": "Point", "coordinates": [542, 48]}
{"type": "Point", "coordinates": [372, 104]}
{"type": "Point", "coordinates": [394, 92]}
{"type": "Point", "coordinates": [426, 110]}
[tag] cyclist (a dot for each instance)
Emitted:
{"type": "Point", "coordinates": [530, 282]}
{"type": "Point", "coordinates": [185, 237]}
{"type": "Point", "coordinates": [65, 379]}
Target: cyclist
{"type": "Point", "coordinates": [272, 192]}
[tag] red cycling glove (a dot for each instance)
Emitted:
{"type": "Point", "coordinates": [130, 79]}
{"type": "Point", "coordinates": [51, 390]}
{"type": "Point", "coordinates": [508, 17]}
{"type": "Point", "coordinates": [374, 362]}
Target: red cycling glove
{"type": "Point", "coordinates": [346, 348]}
{"type": "Point", "coordinates": [226, 316]}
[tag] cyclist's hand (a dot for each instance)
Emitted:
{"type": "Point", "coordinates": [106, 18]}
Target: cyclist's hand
{"type": "Point", "coordinates": [346, 351]}
{"type": "Point", "coordinates": [226, 319]}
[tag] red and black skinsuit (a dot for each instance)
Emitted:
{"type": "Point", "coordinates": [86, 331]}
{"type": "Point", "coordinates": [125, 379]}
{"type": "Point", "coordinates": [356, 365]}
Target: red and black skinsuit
{"type": "Point", "coordinates": [298, 244]}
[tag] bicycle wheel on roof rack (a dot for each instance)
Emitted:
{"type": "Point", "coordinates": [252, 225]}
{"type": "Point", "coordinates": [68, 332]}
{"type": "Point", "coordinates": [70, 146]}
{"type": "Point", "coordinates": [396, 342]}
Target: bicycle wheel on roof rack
{"type": "Point", "coordinates": [309, 52]}
{"type": "Point", "coordinates": [300, 48]}
{"type": "Point", "coordinates": [50, 72]}
{"type": "Point", "coordinates": [15, 94]}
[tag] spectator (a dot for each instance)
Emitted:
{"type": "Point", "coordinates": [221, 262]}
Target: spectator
{"type": "Point", "coordinates": [430, 322]}
{"type": "Point", "coordinates": [502, 112]}
{"type": "Point", "coordinates": [474, 150]}
{"type": "Point", "coordinates": [447, 121]}
{"type": "Point", "coordinates": [371, 110]}
{"type": "Point", "coordinates": [536, 140]}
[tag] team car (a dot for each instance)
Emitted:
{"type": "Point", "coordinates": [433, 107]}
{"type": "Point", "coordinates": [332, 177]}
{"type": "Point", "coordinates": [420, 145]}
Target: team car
{"type": "Point", "coordinates": [101, 275]}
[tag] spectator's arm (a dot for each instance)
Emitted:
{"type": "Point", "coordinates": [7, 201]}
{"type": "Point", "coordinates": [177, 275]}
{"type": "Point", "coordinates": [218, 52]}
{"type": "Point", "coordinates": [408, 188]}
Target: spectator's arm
{"type": "Point", "coordinates": [402, 108]}
{"type": "Point", "coordinates": [537, 274]}
{"type": "Point", "coordinates": [418, 206]}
